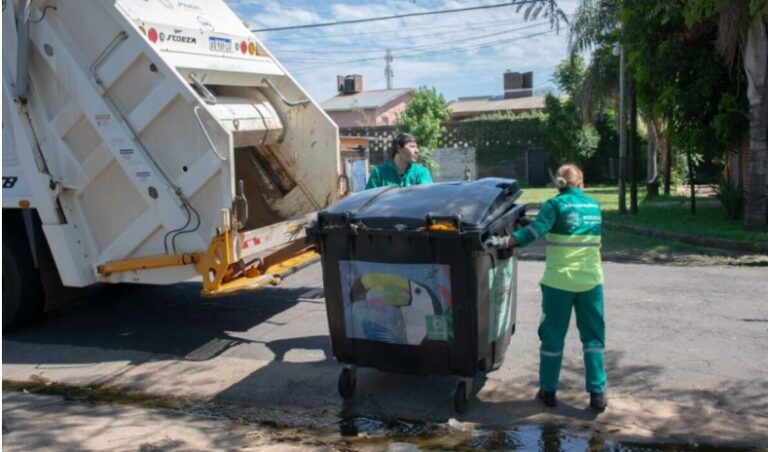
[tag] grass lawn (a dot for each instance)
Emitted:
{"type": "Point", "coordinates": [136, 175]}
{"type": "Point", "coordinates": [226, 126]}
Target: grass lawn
{"type": "Point", "coordinates": [666, 213]}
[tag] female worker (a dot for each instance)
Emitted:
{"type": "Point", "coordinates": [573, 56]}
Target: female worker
{"type": "Point", "coordinates": [402, 169]}
{"type": "Point", "coordinates": [573, 280]}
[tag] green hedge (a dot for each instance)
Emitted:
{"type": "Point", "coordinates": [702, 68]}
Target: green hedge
{"type": "Point", "coordinates": [502, 138]}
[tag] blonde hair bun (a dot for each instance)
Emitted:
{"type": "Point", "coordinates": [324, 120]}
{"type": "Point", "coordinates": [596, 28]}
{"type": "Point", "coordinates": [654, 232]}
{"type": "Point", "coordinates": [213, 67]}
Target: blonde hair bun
{"type": "Point", "coordinates": [569, 175]}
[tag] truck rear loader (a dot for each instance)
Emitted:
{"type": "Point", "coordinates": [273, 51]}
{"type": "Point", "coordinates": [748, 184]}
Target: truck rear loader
{"type": "Point", "coordinates": [152, 142]}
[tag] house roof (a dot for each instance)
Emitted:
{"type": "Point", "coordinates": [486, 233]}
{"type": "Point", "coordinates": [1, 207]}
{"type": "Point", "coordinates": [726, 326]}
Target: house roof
{"type": "Point", "coordinates": [489, 104]}
{"type": "Point", "coordinates": [364, 99]}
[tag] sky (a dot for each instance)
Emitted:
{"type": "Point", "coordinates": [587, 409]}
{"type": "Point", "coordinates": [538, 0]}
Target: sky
{"type": "Point", "coordinates": [459, 54]}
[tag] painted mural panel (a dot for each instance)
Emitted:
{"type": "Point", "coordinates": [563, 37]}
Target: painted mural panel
{"type": "Point", "coordinates": [397, 303]}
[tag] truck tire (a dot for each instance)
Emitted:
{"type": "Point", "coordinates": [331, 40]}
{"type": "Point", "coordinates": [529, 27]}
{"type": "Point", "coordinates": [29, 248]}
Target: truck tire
{"type": "Point", "coordinates": [22, 287]}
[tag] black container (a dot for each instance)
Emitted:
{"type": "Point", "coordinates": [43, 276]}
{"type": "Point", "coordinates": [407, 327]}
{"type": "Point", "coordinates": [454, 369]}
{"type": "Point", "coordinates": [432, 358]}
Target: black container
{"type": "Point", "coordinates": [410, 286]}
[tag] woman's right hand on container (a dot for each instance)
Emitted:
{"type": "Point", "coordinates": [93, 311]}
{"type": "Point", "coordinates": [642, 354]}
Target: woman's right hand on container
{"type": "Point", "coordinates": [499, 242]}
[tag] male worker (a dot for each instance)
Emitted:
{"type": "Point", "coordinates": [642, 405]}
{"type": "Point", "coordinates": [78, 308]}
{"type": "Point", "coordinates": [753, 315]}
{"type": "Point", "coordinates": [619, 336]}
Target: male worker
{"type": "Point", "coordinates": [402, 169]}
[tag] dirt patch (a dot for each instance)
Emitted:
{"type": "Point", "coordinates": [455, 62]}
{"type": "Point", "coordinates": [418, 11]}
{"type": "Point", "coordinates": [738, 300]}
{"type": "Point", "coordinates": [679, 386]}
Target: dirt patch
{"type": "Point", "coordinates": [663, 256]}
{"type": "Point", "coordinates": [96, 394]}
{"type": "Point", "coordinates": [685, 259]}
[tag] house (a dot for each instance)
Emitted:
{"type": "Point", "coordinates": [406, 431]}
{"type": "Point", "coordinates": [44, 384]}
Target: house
{"type": "Point", "coordinates": [517, 98]}
{"type": "Point", "coordinates": [354, 107]}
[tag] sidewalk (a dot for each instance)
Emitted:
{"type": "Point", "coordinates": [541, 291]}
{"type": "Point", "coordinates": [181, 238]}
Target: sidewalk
{"type": "Point", "coordinates": [735, 246]}
{"type": "Point", "coordinates": [706, 257]}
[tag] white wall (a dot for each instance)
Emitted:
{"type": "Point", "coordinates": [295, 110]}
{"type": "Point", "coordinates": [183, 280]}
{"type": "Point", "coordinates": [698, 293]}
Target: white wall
{"type": "Point", "coordinates": [454, 162]}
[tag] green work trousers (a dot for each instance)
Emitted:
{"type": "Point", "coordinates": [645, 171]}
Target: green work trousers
{"type": "Point", "coordinates": [557, 306]}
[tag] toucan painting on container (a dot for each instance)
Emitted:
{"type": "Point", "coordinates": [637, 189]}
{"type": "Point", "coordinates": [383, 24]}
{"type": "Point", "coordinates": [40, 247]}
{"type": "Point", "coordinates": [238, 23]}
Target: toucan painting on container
{"type": "Point", "coordinates": [397, 303]}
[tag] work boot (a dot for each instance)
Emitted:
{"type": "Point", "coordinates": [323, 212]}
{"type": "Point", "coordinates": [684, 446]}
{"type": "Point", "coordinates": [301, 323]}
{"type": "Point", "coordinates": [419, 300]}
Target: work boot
{"type": "Point", "coordinates": [597, 401]}
{"type": "Point", "coordinates": [548, 398]}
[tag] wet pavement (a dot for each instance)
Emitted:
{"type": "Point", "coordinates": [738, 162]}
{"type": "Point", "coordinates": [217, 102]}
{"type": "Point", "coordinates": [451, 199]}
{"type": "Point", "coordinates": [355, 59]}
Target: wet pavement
{"type": "Point", "coordinates": [33, 421]}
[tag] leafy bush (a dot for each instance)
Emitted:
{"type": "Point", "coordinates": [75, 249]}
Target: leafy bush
{"type": "Point", "coordinates": [502, 138]}
{"type": "Point", "coordinates": [568, 140]}
{"type": "Point", "coordinates": [732, 198]}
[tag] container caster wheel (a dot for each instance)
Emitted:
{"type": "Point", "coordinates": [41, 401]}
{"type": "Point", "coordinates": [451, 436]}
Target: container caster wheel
{"type": "Point", "coordinates": [460, 398]}
{"type": "Point", "coordinates": [347, 382]}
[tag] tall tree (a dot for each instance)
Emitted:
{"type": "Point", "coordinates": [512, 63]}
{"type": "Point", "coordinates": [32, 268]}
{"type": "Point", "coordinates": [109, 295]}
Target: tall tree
{"type": "Point", "coordinates": [678, 72]}
{"type": "Point", "coordinates": [597, 23]}
{"type": "Point", "coordinates": [568, 138]}
{"type": "Point", "coordinates": [742, 28]}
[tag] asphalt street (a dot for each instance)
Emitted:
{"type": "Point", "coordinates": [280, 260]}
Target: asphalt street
{"type": "Point", "coordinates": [686, 356]}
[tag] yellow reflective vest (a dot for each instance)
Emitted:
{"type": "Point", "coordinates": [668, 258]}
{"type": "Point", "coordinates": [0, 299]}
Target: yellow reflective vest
{"type": "Point", "coordinates": [571, 224]}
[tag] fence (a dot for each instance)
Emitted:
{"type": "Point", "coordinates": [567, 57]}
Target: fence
{"type": "Point", "coordinates": [459, 152]}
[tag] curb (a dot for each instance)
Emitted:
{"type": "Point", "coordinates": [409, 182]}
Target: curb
{"type": "Point", "coordinates": [709, 242]}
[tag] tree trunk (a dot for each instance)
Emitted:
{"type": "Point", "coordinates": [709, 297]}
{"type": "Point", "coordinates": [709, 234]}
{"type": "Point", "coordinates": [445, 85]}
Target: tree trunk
{"type": "Point", "coordinates": [756, 68]}
{"type": "Point", "coordinates": [667, 149]}
{"type": "Point", "coordinates": [632, 137]}
{"type": "Point", "coordinates": [652, 174]}
{"type": "Point", "coordinates": [692, 181]}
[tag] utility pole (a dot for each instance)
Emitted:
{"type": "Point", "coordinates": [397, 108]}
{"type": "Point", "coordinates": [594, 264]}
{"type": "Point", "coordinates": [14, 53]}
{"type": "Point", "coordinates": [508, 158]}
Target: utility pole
{"type": "Point", "coordinates": [622, 134]}
{"type": "Point", "coordinates": [388, 73]}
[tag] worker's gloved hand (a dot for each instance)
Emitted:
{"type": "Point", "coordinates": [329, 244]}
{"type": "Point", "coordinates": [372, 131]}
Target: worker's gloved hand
{"type": "Point", "coordinates": [497, 242]}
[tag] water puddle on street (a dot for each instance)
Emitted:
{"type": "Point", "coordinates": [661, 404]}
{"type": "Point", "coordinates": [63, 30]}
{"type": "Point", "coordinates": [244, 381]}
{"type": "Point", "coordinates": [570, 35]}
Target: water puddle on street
{"type": "Point", "coordinates": [363, 433]}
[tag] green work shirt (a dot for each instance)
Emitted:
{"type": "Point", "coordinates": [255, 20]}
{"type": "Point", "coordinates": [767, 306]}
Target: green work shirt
{"type": "Point", "coordinates": [386, 174]}
{"type": "Point", "coordinates": [571, 224]}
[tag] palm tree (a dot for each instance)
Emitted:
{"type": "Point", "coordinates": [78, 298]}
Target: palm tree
{"type": "Point", "coordinates": [597, 25]}
{"type": "Point", "coordinates": [742, 34]}
{"type": "Point", "coordinates": [594, 27]}
{"type": "Point", "coordinates": [593, 22]}
{"type": "Point", "coordinates": [547, 9]}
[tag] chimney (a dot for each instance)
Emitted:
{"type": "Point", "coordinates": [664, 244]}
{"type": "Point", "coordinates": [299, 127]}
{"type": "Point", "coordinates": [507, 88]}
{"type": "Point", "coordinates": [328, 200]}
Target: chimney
{"type": "Point", "coordinates": [528, 80]}
{"type": "Point", "coordinates": [350, 84]}
{"type": "Point", "coordinates": [518, 85]}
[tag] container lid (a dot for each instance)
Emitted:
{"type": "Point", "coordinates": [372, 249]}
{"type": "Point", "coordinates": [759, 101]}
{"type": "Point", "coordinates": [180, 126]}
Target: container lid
{"type": "Point", "coordinates": [473, 205]}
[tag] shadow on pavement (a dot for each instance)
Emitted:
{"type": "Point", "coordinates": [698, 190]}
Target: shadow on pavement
{"type": "Point", "coordinates": [168, 321]}
{"type": "Point", "coordinates": [55, 423]}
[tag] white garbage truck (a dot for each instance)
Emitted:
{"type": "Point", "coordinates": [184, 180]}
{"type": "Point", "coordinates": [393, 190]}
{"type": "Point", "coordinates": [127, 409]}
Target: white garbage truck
{"type": "Point", "coordinates": [152, 142]}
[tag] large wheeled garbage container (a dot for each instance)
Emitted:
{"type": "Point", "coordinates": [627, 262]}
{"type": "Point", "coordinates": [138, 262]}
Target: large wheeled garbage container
{"type": "Point", "coordinates": [409, 285]}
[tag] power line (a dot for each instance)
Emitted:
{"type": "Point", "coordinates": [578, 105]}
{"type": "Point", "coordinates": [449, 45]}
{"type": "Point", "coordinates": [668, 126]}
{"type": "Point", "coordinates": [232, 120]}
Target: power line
{"type": "Point", "coordinates": [465, 26]}
{"type": "Point", "coordinates": [440, 44]}
{"type": "Point", "coordinates": [424, 53]}
{"type": "Point", "coordinates": [409, 50]}
{"type": "Point", "coordinates": [398, 16]}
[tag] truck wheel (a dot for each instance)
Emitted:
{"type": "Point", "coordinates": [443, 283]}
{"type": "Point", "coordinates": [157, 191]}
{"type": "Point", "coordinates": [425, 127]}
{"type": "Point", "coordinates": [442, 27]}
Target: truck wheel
{"type": "Point", "coordinates": [22, 288]}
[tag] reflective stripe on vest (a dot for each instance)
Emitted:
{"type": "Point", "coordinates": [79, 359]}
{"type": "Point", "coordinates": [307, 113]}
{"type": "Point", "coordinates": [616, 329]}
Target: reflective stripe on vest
{"type": "Point", "coordinates": [573, 262]}
{"type": "Point", "coordinates": [572, 240]}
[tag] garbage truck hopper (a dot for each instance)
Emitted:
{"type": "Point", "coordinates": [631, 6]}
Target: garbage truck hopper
{"type": "Point", "coordinates": [155, 142]}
